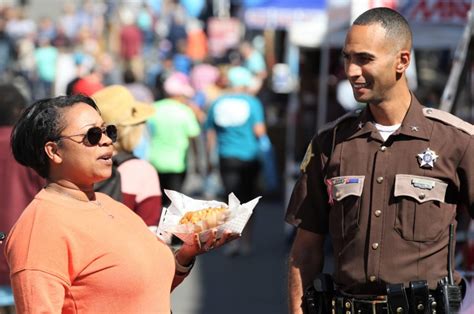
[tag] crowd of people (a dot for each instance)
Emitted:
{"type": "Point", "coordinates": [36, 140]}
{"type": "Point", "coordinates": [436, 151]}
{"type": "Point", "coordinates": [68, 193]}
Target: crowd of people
{"type": "Point", "coordinates": [160, 56]}
{"type": "Point", "coordinates": [105, 43]}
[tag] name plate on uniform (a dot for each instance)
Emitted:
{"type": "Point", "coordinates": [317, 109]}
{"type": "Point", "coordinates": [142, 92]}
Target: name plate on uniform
{"type": "Point", "coordinates": [345, 180]}
{"type": "Point", "coordinates": [423, 183]}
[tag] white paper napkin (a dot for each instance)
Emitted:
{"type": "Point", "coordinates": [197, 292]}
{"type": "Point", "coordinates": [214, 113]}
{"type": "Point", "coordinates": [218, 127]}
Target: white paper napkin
{"type": "Point", "coordinates": [239, 215]}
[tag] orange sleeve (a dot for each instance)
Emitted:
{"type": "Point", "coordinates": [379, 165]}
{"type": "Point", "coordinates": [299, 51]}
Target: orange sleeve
{"type": "Point", "coordinates": [38, 292]}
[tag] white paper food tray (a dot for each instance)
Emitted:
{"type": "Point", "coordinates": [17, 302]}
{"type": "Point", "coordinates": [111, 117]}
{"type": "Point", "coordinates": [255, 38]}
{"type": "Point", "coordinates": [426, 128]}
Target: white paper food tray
{"type": "Point", "coordinates": [239, 214]}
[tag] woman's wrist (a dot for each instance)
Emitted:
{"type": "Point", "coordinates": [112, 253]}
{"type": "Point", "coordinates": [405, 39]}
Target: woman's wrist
{"type": "Point", "coordinates": [183, 263]}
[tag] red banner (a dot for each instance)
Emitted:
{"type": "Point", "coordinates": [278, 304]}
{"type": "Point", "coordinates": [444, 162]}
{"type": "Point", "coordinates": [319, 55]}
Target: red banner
{"type": "Point", "coordinates": [435, 11]}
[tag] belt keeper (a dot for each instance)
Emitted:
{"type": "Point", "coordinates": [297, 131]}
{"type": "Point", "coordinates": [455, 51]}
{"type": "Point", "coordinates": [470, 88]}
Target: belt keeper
{"type": "Point", "coordinates": [340, 309]}
{"type": "Point", "coordinates": [419, 296]}
{"type": "Point", "coordinates": [397, 299]}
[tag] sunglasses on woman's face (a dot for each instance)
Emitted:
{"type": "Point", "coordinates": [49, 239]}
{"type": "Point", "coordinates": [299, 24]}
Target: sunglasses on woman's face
{"type": "Point", "coordinates": [93, 136]}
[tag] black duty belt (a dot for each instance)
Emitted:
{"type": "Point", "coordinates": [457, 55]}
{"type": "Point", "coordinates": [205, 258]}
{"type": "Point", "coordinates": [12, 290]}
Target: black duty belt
{"type": "Point", "coordinates": [321, 297]}
{"type": "Point", "coordinates": [415, 299]}
{"type": "Point", "coordinates": [348, 305]}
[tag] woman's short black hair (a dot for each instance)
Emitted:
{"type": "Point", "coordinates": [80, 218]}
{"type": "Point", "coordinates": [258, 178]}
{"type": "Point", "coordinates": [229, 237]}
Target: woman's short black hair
{"type": "Point", "coordinates": [38, 124]}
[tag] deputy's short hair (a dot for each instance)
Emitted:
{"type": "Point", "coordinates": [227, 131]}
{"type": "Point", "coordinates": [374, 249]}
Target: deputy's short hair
{"type": "Point", "coordinates": [395, 25]}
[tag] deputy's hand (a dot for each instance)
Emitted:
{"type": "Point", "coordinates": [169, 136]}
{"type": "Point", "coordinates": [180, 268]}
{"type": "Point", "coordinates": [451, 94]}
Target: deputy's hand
{"type": "Point", "coordinates": [187, 252]}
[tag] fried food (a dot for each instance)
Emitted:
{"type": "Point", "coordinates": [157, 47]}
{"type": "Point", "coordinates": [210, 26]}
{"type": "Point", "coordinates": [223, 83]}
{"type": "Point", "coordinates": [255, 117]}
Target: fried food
{"type": "Point", "coordinates": [207, 214]}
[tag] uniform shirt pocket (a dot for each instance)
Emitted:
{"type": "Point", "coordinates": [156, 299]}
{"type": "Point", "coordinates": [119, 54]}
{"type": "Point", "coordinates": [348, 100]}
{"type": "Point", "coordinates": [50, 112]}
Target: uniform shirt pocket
{"type": "Point", "coordinates": [422, 214]}
{"type": "Point", "coordinates": [344, 194]}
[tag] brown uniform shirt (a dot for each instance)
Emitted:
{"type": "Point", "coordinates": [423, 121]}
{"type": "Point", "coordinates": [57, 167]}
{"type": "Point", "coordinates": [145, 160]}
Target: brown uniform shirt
{"type": "Point", "coordinates": [387, 205]}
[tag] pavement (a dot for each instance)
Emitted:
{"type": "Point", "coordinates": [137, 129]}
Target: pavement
{"type": "Point", "coordinates": [244, 284]}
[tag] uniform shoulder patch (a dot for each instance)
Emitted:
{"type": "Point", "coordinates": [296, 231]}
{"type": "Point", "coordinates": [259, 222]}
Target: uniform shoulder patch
{"type": "Point", "coordinates": [449, 118]}
{"type": "Point", "coordinates": [307, 157]}
{"type": "Point", "coordinates": [332, 124]}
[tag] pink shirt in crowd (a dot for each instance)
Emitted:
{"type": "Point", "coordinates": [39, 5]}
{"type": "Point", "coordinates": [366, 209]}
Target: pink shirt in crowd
{"type": "Point", "coordinates": [141, 189]}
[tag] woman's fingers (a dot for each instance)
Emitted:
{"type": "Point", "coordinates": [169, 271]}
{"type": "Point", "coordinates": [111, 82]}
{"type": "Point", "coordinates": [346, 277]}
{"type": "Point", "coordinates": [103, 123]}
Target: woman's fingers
{"type": "Point", "coordinates": [197, 242]}
{"type": "Point", "coordinates": [211, 241]}
{"type": "Point", "coordinates": [227, 236]}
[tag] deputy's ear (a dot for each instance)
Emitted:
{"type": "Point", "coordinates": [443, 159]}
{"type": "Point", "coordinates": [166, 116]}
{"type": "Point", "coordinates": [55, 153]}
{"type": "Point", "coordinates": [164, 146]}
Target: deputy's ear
{"type": "Point", "coordinates": [403, 61]}
{"type": "Point", "coordinates": [52, 151]}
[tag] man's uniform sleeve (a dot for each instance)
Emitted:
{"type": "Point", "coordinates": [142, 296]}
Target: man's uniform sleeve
{"type": "Point", "coordinates": [466, 177]}
{"type": "Point", "coordinates": [308, 207]}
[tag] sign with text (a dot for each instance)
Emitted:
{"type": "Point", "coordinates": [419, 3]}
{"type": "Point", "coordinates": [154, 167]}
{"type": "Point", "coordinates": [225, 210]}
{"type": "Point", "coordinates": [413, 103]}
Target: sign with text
{"type": "Point", "coordinates": [280, 14]}
{"type": "Point", "coordinates": [435, 11]}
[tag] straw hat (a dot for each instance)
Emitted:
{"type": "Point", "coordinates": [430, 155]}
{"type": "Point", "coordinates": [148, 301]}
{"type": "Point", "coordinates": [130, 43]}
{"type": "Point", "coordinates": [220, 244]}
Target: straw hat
{"type": "Point", "coordinates": [118, 106]}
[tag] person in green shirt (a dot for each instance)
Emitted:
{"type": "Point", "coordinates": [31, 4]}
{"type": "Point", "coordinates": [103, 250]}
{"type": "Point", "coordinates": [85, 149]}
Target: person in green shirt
{"type": "Point", "coordinates": [172, 129]}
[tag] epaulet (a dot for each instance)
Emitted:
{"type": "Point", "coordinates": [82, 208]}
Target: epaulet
{"type": "Point", "coordinates": [331, 125]}
{"type": "Point", "coordinates": [450, 119]}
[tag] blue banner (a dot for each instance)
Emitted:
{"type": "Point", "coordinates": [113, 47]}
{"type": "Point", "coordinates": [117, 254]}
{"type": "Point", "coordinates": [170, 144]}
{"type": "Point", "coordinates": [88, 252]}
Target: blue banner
{"type": "Point", "coordinates": [288, 4]}
{"type": "Point", "coordinates": [280, 14]}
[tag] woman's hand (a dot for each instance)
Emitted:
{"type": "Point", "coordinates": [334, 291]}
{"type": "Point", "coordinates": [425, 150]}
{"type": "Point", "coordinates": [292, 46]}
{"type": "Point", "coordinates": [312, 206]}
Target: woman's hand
{"type": "Point", "coordinates": [188, 252]}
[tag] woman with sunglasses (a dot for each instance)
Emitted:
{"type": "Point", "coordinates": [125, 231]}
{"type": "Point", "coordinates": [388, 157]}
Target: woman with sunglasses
{"type": "Point", "coordinates": [74, 250]}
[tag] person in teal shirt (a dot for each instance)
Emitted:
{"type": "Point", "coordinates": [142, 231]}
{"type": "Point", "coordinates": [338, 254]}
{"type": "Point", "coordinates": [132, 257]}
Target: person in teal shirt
{"type": "Point", "coordinates": [46, 57]}
{"type": "Point", "coordinates": [234, 125]}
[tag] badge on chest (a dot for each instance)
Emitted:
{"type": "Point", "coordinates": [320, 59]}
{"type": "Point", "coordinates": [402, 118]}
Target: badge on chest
{"type": "Point", "coordinates": [427, 158]}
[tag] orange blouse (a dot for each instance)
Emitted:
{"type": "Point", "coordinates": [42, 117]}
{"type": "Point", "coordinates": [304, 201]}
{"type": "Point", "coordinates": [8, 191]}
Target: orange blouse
{"type": "Point", "coordinates": [70, 256]}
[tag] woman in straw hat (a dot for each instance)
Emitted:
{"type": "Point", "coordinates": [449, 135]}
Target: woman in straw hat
{"type": "Point", "coordinates": [74, 250]}
{"type": "Point", "coordinates": [139, 183]}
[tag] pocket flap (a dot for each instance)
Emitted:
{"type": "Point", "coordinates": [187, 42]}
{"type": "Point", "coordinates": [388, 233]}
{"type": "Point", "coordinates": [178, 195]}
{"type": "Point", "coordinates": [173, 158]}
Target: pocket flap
{"type": "Point", "coordinates": [422, 189]}
{"type": "Point", "coordinates": [343, 186]}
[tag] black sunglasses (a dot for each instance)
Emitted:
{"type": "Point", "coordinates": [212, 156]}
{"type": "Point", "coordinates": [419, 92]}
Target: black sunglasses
{"type": "Point", "coordinates": [93, 135]}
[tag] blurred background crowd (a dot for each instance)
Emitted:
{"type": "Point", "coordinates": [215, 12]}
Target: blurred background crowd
{"type": "Point", "coordinates": [88, 45]}
{"type": "Point", "coordinates": [287, 56]}
{"type": "Point", "coordinates": [116, 42]}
